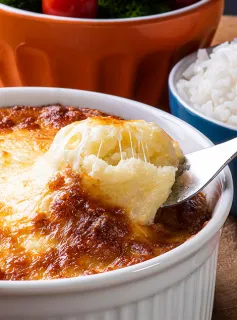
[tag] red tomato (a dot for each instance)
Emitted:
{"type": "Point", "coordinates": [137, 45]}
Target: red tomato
{"type": "Point", "coordinates": [71, 8]}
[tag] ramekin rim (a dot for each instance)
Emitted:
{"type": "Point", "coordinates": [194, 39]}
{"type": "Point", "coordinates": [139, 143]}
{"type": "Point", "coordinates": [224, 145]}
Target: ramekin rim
{"type": "Point", "coordinates": [137, 271]}
{"type": "Point", "coordinates": [102, 21]}
{"type": "Point", "coordinates": [174, 91]}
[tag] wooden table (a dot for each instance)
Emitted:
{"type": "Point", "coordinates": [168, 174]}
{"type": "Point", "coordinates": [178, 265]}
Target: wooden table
{"type": "Point", "coordinates": [227, 30]}
{"type": "Point", "coordinates": [225, 306]}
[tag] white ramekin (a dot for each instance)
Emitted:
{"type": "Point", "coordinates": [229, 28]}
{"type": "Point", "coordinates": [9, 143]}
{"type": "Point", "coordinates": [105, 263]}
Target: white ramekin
{"type": "Point", "coordinates": [178, 285]}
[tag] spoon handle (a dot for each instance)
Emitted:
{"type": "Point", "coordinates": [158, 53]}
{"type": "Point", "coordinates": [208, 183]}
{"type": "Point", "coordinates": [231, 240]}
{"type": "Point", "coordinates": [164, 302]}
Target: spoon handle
{"type": "Point", "coordinates": [206, 164]}
{"type": "Point", "coordinates": [203, 166]}
{"type": "Point", "coordinates": [216, 157]}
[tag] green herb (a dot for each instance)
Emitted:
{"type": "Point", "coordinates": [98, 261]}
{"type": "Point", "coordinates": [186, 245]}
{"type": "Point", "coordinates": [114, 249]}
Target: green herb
{"type": "Point", "coordinates": [31, 5]}
{"type": "Point", "coordinates": [131, 8]}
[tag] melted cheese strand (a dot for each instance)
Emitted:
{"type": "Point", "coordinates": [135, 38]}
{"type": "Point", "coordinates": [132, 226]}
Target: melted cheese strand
{"type": "Point", "coordinates": [130, 137]}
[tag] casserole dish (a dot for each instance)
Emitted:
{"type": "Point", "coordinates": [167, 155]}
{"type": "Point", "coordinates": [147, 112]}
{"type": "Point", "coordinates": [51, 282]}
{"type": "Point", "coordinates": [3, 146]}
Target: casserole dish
{"type": "Point", "coordinates": [177, 285]}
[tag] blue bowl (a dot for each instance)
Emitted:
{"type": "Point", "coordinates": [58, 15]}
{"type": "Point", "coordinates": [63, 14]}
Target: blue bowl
{"type": "Point", "coordinates": [217, 132]}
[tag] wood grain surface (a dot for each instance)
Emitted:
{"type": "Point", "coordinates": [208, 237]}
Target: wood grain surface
{"type": "Point", "coordinates": [225, 306]}
{"type": "Point", "coordinates": [227, 30]}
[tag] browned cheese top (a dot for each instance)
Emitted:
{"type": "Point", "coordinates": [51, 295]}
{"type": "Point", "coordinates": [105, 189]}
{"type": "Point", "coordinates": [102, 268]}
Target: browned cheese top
{"type": "Point", "coordinates": [76, 235]}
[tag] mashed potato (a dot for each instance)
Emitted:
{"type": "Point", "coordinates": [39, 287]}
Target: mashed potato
{"type": "Point", "coordinates": [130, 164]}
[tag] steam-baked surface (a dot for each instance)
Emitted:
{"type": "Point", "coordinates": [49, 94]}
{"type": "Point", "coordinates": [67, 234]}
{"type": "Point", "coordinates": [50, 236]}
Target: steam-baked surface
{"type": "Point", "coordinates": [76, 235]}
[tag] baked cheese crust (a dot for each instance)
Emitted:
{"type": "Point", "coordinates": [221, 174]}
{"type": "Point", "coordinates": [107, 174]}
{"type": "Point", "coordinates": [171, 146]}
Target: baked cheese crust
{"type": "Point", "coordinates": [58, 230]}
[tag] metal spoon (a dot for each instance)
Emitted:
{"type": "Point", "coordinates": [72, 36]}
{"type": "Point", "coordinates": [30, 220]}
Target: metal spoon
{"type": "Point", "coordinates": [200, 169]}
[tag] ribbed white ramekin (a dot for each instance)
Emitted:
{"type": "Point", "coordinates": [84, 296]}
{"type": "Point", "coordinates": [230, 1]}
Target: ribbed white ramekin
{"type": "Point", "coordinates": [178, 285]}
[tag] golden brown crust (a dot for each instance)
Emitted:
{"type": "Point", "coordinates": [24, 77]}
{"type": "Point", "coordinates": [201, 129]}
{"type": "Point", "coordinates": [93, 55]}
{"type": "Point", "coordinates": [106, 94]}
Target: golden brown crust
{"type": "Point", "coordinates": [87, 237]}
{"type": "Point", "coordinates": [190, 216]}
{"type": "Point", "coordinates": [54, 117]}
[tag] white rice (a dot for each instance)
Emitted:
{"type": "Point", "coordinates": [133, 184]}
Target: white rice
{"type": "Point", "coordinates": [209, 85]}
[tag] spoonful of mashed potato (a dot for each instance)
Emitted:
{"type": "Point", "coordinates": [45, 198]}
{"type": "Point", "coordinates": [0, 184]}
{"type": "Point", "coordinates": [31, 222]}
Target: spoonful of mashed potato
{"type": "Point", "coordinates": [129, 164]}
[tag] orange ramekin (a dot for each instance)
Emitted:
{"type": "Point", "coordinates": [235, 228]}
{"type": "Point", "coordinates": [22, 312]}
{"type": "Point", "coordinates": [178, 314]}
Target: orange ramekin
{"type": "Point", "coordinates": [125, 57]}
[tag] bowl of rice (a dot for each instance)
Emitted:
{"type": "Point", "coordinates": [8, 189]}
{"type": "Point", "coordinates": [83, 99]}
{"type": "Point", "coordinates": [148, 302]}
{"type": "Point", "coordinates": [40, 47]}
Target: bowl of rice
{"type": "Point", "coordinates": [203, 92]}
